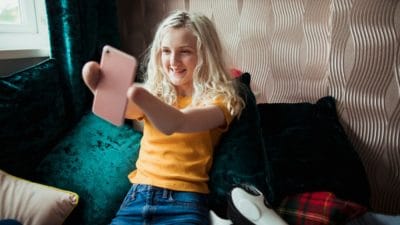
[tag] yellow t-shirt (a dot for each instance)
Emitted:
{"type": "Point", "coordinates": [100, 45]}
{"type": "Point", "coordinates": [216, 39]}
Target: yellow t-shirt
{"type": "Point", "coordinates": [180, 161]}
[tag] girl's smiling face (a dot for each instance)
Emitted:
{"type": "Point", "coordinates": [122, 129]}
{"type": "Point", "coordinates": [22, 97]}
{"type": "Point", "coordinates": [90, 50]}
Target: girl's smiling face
{"type": "Point", "coordinates": [179, 58]}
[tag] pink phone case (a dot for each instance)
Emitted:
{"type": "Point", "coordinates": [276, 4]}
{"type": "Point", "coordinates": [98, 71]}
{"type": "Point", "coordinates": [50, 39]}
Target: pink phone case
{"type": "Point", "coordinates": [118, 71]}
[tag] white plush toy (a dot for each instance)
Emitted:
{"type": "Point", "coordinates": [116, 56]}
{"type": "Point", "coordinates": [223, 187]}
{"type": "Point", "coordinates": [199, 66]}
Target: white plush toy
{"type": "Point", "coordinates": [247, 206]}
{"type": "Point", "coordinates": [216, 220]}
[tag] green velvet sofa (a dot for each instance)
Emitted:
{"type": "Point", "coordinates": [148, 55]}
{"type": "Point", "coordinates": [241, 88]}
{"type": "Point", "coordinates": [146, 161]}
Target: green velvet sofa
{"type": "Point", "coordinates": [43, 141]}
{"type": "Point", "coordinates": [283, 149]}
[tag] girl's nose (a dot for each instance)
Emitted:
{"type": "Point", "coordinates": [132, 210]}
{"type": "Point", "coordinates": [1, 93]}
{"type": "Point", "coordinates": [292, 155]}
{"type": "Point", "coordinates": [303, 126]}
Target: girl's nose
{"type": "Point", "coordinates": [174, 59]}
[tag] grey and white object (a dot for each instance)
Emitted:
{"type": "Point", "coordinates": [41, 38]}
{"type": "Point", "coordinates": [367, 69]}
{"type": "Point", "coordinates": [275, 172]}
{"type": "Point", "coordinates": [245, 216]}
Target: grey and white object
{"type": "Point", "coordinates": [247, 206]}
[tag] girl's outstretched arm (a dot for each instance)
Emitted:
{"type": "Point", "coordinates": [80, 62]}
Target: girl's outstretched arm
{"type": "Point", "coordinates": [169, 120]}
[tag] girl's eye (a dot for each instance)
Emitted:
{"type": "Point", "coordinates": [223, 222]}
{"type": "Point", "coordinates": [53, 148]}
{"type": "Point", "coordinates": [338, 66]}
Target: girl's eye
{"type": "Point", "coordinates": [186, 51]}
{"type": "Point", "coordinates": [165, 51]}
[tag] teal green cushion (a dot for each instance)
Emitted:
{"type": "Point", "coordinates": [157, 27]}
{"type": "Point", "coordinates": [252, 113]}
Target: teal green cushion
{"type": "Point", "coordinates": [32, 116]}
{"type": "Point", "coordinates": [93, 161]}
{"type": "Point", "coordinates": [239, 157]}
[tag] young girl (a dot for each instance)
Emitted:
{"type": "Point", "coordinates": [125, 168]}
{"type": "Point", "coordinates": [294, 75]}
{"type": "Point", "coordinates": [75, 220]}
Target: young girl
{"type": "Point", "coordinates": [187, 101]}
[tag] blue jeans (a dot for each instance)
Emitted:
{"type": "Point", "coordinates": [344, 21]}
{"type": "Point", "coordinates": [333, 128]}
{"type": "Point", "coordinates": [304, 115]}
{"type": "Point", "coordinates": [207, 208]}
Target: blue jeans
{"type": "Point", "coordinates": [145, 204]}
{"type": "Point", "coordinates": [9, 222]}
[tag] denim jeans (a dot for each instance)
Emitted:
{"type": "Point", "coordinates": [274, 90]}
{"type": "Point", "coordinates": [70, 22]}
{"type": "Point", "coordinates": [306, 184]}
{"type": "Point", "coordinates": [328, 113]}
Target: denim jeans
{"type": "Point", "coordinates": [9, 222]}
{"type": "Point", "coordinates": [145, 204]}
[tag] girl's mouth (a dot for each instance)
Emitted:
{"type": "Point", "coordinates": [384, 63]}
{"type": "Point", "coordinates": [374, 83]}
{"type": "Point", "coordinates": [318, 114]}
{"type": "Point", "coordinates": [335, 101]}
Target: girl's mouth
{"type": "Point", "coordinates": [177, 71]}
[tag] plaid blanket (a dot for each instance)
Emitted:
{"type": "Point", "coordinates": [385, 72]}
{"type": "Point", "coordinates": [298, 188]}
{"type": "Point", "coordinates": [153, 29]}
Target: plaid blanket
{"type": "Point", "coordinates": [318, 208]}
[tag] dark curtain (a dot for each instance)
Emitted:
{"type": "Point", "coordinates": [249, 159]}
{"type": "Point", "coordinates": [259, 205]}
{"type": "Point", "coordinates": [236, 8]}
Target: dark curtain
{"type": "Point", "coordinates": [78, 31]}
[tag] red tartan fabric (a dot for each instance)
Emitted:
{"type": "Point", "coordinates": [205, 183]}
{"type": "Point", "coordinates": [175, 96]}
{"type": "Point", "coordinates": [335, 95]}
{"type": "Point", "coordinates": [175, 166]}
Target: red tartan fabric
{"type": "Point", "coordinates": [318, 208]}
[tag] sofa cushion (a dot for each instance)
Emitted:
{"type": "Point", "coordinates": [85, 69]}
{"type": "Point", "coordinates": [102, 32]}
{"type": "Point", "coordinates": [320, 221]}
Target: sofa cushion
{"type": "Point", "coordinates": [239, 157]}
{"type": "Point", "coordinates": [32, 203]}
{"type": "Point", "coordinates": [32, 116]}
{"type": "Point", "coordinates": [308, 150]}
{"type": "Point", "coordinates": [93, 161]}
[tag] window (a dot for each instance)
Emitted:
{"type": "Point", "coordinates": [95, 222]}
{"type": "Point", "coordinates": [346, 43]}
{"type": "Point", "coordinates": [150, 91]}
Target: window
{"type": "Point", "coordinates": [23, 29]}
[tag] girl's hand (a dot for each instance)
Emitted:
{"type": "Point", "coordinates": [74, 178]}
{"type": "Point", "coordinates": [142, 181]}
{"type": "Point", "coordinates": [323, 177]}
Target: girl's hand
{"type": "Point", "coordinates": [91, 75]}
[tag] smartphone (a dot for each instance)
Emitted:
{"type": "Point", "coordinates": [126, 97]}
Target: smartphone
{"type": "Point", "coordinates": [118, 70]}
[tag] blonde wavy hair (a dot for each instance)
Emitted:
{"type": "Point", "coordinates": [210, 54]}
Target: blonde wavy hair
{"type": "Point", "coordinates": [211, 78]}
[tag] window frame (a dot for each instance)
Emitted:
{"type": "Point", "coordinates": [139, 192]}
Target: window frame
{"type": "Point", "coordinates": [29, 39]}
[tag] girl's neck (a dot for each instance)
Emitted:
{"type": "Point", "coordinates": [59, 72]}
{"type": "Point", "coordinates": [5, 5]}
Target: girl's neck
{"type": "Point", "coordinates": [184, 92]}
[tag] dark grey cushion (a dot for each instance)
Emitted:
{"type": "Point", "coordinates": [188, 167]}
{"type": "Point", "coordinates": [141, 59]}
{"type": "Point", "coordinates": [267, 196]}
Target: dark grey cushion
{"type": "Point", "coordinates": [239, 157]}
{"type": "Point", "coordinates": [308, 150]}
